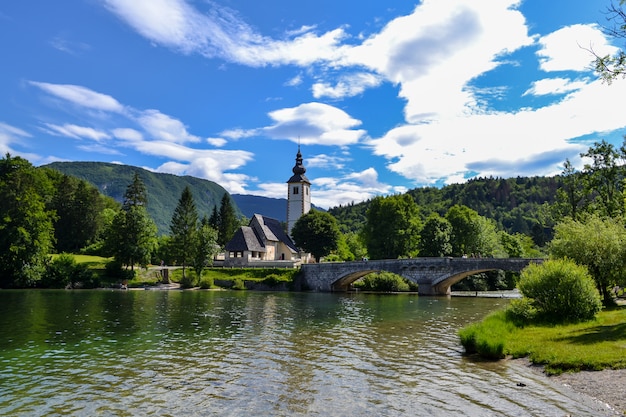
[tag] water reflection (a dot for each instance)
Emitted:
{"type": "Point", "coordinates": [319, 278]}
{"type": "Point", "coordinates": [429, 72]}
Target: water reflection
{"type": "Point", "coordinates": [242, 353]}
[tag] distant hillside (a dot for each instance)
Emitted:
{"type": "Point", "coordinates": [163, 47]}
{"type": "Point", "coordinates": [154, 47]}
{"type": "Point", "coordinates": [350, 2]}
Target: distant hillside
{"type": "Point", "coordinates": [516, 204]}
{"type": "Point", "coordinates": [163, 190]}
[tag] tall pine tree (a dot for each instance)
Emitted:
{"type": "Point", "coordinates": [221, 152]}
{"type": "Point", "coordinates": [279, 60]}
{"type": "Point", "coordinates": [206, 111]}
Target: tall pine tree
{"type": "Point", "coordinates": [228, 222]}
{"type": "Point", "coordinates": [184, 229]}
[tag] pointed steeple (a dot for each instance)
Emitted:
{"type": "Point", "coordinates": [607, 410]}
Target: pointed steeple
{"type": "Point", "coordinates": [298, 170]}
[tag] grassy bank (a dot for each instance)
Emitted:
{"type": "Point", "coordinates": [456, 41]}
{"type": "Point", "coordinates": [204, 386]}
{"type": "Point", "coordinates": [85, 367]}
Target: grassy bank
{"type": "Point", "coordinates": [593, 345]}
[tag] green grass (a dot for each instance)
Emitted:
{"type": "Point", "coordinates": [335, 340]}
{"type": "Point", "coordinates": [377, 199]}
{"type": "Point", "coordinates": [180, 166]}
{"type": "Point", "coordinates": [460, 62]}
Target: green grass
{"type": "Point", "coordinates": [94, 262]}
{"type": "Point", "coordinates": [592, 345]}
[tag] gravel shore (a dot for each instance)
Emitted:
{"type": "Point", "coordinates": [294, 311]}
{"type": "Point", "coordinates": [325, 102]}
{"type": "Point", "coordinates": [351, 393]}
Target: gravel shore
{"type": "Point", "coordinates": [607, 386]}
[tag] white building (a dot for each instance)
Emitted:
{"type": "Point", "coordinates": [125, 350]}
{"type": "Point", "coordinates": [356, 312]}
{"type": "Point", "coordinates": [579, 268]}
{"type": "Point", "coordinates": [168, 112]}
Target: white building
{"type": "Point", "coordinates": [264, 242]}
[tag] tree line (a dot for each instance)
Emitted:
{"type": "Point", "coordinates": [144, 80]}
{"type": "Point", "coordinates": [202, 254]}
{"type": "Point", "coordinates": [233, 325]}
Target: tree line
{"type": "Point", "coordinates": [43, 211]}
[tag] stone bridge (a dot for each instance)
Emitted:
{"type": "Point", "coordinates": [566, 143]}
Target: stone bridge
{"type": "Point", "coordinates": [434, 276]}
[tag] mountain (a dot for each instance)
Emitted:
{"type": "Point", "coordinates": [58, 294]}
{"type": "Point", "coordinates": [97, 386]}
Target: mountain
{"type": "Point", "coordinates": [164, 190]}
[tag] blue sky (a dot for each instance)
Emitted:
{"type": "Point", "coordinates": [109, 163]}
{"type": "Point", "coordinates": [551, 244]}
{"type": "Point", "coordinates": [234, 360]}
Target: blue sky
{"type": "Point", "coordinates": [382, 96]}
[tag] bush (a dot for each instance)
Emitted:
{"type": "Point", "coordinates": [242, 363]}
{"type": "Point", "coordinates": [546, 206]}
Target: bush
{"type": "Point", "coordinates": [189, 280]}
{"type": "Point", "coordinates": [384, 282]}
{"type": "Point", "coordinates": [206, 283]}
{"type": "Point", "coordinates": [63, 271]}
{"type": "Point", "coordinates": [560, 291]}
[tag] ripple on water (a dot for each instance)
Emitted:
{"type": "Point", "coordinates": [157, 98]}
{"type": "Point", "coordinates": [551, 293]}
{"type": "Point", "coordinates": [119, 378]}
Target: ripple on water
{"type": "Point", "coordinates": [262, 354]}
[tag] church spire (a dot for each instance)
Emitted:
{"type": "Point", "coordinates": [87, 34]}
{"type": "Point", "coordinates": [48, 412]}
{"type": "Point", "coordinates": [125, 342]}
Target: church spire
{"type": "Point", "coordinates": [298, 193]}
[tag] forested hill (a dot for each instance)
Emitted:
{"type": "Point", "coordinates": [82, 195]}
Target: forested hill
{"type": "Point", "coordinates": [163, 190]}
{"type": "Point", "coordinates": [516, 204]}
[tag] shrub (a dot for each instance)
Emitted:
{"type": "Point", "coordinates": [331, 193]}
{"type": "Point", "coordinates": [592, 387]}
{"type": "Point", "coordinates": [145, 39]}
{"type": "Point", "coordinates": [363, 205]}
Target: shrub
{"type": "Point", "coordinates": [63, 271]}
{"type": "Point", "coordinates": [385, 282]}
{"type": "Point", "coordinates": [189, 280]}
{"type": "Point", "coordinates": [560, 291]}
{"type": "Point", "coordinates": [206, 283]}
{"type": "Point", "coordinates": [521, 311]}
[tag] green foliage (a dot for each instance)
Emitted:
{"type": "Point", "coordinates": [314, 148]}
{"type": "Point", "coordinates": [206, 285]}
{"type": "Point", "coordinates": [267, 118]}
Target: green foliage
{"type": "Point", "coordinates": [435, 237]}
{"type": "Point", "coordinates": [131, 238]}
{"type": "Point", "coordinates": [183, 228]}
{"type": "Point", "coordinates": [227, 221]}
{"type": "Point", "coordinates": [317, 233]}
{"type": "Point", "coordinates": [472, 234]}
{"type": "Point", "coordinates": [26, 228]}
{"type": "Point", "coordinates": [206, 283]}
{"type": "Point", "coordinates": [597, 243]}
{"type": "Point", "coordinates": [559, 290]}
{"type": "Point", "coordinates": [64, 271]}
{"type": "Point", "coordinates": [393, 227]}
{"type": "Point", "coordinates": [384, 282]}
{"type": "Point", "coordinates": [206, 246]}
{"type": "Point", "coordinates": [114, 269]}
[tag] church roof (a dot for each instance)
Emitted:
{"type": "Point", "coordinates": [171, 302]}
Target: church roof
{"type": "Point", "coordinates": [272, 230]}
{"type": "Point", "coordinates": [245, 239]}
{"type": "Point", "coordinates": [253, 237]}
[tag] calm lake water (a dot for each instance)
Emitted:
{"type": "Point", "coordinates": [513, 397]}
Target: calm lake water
{"type": "Point", "coordinates": [221, 353]}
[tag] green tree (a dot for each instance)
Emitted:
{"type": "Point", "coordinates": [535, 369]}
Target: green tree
{"type": "Point", "coordinates": [558, 290]}
{"type": "Point", "coordinates": [80, 213]}
{"type": "Point", "coordinates": [465, 230]}
{"type": "Point", "coordinates": [316, 232]}
{"type": "Point", "coordinates": [132, 235]}
{"type": "Point", "coordinates": [26, 229]}
{"type": "Point", "coordinates": [605, 177]}
{"type": "Point", "coordinates": [597, 243]}
{"type": "Point", "coordinates": [206, 247]}
{"type": "Point", "coordinates": [393, 227]}
{"type": "Point", "coordinates": [183, 229]}
{"type": "Point", "coordinates": [571, 195]}
{"type": "Point", "coordinates": [435, 237]}
{"type": "Point", "coordinates": [228, 222]}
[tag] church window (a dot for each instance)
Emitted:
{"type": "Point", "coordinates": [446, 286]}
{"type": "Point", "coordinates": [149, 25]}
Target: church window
{"type": "Point", "coordinates": [295, 190]}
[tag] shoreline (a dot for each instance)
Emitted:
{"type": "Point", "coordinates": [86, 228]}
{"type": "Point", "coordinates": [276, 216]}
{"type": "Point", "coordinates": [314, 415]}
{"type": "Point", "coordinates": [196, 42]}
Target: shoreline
{"type": "Point", "coordinates": [607, 386]}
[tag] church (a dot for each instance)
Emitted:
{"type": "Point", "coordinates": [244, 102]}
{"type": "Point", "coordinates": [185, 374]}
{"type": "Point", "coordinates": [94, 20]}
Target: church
{"type": "Point", "coordinates": [264, 243]}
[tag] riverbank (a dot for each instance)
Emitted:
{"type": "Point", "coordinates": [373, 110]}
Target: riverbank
{"type": "Point", "coordinates": [607, 386]}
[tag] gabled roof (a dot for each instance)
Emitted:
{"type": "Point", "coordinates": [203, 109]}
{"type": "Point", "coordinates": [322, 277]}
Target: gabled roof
{"type": "Point", "coordinates": [272, 231]}
{"type": "Point", "coordinates": [245, 239]}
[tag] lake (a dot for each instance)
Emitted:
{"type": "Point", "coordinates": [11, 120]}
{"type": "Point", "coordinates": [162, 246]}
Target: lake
{"type": "Point", "coordinates": [228, 353]}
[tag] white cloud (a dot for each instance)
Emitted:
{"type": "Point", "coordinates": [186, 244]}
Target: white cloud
{"type": "Point", "coordinates": [527, 142]}
{"type": "Point", "coordinates": [217, 142]}
{"type": "Point", "coordinates": [164, 127]}
{"type": "Point", "coordinates": [76, 132]}
{"type": "Point", "coordinates": [569, 48]}
{"type": "Point", "coordinates": [347, 86]}
{"type": "Point", "coordinates": [314, 123]}
{"type": "Point", "coordinates": [221, 33]}
{"type": "Point", "coordinates": [81, 96]}
{"type": "Point", "coordinates": [557, 85]}
{"type": "Point", "coordinates": [326, 162]}
{"type": "Point", "coordinates": [127, 134]}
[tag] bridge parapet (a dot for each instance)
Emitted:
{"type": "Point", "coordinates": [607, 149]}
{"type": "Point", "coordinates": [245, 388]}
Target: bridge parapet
{"type": "Point", "coordinates": [434, 276]}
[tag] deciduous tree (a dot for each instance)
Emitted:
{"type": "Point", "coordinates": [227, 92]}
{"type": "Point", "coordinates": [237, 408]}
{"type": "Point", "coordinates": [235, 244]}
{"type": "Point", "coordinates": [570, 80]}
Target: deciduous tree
{"type": "Point", "coordinates": [435, 237]}
{"type": "Point", "coordinates": [26, 230]}
{"type": "Point", "coordinates": [316, 232]}
{"type": "Point", "coordinates": [393, 227]}
{"type": "Point", "coordinates": [599, 244]}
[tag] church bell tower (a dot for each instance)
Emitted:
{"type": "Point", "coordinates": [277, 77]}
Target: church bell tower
{"type": "Point", "coordinates": [298, 193]}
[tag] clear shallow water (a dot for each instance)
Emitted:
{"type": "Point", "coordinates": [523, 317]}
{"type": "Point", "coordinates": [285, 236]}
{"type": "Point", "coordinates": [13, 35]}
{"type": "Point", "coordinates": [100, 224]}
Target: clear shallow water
{"type": "Point", "coordinates": [199, 353]}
